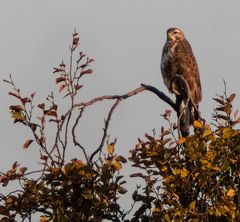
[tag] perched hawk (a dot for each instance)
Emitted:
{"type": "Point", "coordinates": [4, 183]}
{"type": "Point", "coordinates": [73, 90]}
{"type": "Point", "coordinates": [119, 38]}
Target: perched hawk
{"type": "Point", "coordinates": [181, 76]}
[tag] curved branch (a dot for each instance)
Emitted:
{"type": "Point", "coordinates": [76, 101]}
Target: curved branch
{"type": "Point", "coordinates": [118, 98]}
{"type": "Point", "coordinates": [161, 95]}
{"type": "Point", "coordinates": [105, 129]}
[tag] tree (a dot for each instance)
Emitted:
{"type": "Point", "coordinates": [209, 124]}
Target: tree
{"type": "Point", "coordinates": [195, 178]}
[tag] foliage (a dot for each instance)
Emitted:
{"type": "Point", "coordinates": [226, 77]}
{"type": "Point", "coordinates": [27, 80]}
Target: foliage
{"type": "Point", "coordinates": [183, 179]}
{"type": "Point", "coordinates": [194, 178]}
{"type": "Point", "coordinates": [79, 190]}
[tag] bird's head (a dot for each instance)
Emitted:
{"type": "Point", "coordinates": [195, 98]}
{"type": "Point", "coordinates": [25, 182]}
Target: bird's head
{"type": "Point", "coordinates": [175, 34]}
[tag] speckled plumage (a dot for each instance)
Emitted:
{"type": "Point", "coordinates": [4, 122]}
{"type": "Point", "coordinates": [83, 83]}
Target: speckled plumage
{"type": "Point", "coordinates": [178, 59]}
{"type": "Point", "coordinates": [178, 67]}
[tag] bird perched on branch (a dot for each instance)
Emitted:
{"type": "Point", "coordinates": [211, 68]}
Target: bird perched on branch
{"type": "Point", "coordinates": [181, 76]}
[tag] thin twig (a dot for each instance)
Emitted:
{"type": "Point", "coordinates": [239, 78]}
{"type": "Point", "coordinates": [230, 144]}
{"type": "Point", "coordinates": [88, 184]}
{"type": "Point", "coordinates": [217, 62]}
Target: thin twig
{"type": "Point", "coordinates": [105, 129]}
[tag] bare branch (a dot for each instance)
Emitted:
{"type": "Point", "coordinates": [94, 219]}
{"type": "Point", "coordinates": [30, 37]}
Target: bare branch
{"type": "Point", "coordinates": [82, 106]}
{"type": "Point", "coordinates": [161, 95]}
{"type": "Point", "coordinates": [105, 129]}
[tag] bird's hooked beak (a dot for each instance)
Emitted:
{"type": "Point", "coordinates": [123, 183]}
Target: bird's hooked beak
{"type": "Point", "coordinates": [170, 36]}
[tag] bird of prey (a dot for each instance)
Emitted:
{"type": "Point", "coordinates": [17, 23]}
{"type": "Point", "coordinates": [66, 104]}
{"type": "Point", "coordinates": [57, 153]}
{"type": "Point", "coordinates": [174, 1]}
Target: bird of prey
{"type": "Point", "coordinates": [181, 76]}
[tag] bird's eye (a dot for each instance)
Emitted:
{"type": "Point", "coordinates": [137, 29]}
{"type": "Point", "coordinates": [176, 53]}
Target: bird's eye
{"type": "Point", "coordinates": [175, 32]}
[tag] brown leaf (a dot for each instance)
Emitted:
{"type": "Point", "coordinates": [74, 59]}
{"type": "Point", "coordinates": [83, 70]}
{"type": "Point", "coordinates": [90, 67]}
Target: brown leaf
{"type": "Point", "coordinates": [77, 87]}
{"type": "Point", "coordinates": [52, 113]}
{"type": "Point", "coordinates": [27, 143]}
{"type": "Point", "coordinates": [16, 108]}
{"type": "Point", "coordinates": [41, 106]}
{"type": "Point", "coordinates": [121, 159]}
{"type": "Point", "coordinates": [61, 88]}
{"type": "Point", "coordinates": [14, 94]}
{"type": "Point", "coordinates": [88, 71]}
{"type": "Point", "coordinates": [219, 101]}
{"type": "Point", "coordinates": [231, 97]}
{"type": "Point", "coordinates": [43, 157]}
{"type": "Point", "coordinates": [25, 100]}
{"type": "Point", "coordinates": [22, 170]}
{"type": "Point", "coordinates": [60, 79]}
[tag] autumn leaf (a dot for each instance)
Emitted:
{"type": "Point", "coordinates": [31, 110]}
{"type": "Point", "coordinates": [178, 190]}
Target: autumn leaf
{"type": "Point", "coordinates": [164, 168]}
{"type": "Point", "coordinates": [27, 144]}
{"type": "Point", "coordinates": [88, 71]}
{"type": "Point", "coordinates": [25, 100]}
{"type": "Point", "coordinates": [77, 87]}
{"type": "Point", "coordinates": [44, 219]}
{"type": "Point", "coordinates": [231, 192]}
{"type": "Point", "coordinates": [176, 196]}
{"type": "Point", "coordinates": [60, 79]}
{"type": "Point", "coordinates": [184, 173]}
{"type": "Point", "coordinates": [52, 113]}
{"type": "Point", "coordinates": [16, 108]}
{"type": "Point", "coordinates": [181, 140]}
{"type": "Point", "coordinates": [61, 88]}
{"type": "Point", "coordinates": [17, 116]}
{"type": "Point", "coordinates": [41, 106]}
{"type": "Point", "coordinates": [227, 133]}
{"type": "Point", "coordinates": [167, 218]}
{"type": "Point", "coordinates": [231, 97]}
{"type": "Point", "coordinates": [192, 205]}
{"type": "Point", "coordinates": [121, 159]}
{"type": "Point", "coordinates": [110, 148]}
{"type": "Point", "coordinates": [197, 124]}
{"type": "Point", "coordinates": [117, 165]}
{"type": "Point", "coordinates": [14, 94]}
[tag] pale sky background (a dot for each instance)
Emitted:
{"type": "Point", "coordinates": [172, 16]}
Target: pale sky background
{"type": "Point", "coordinates": [126, 39]}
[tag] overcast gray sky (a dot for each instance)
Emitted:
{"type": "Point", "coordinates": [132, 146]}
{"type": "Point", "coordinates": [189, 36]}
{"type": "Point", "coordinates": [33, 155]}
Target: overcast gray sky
{"type": "Point", "coordinates": [126, 39]}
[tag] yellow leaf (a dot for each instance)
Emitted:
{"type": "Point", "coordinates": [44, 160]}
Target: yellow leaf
{"type": "Point", "coordinates": [184, 173]}
{"type": "Point", "coordinates": [167, 218]}
{"type": "Point", "coordinates": [117, 165]}
{"type": "Point", "coordinates": [231, 192]}
{"type": "Point", "coordinates": [110, 148]}
{"type": "Point", "coordinates": [176, 171]}
{"type": "Point", "coordinates": [206, 163]}
{"type": "Point", "coordinates": [197, 124]}
{"type": "Point", "coordinates": [164, 168]}
{"type": "Point", "coordinates": [181, 140]}
{"type": "Point", "coordinates": [195, 175]}
{"type": "Point", "coordinates": [226, 208]}
{"type": "Point", "coordinates": [216, 168]}
{"type": "Point", "coordinates": [233, 160]}
{"type": "Point", "coordinates": [156, 211]}
{"type": "Point", "coordinates": [227, 133]}
{"type": "Point", "coordinates": [10, 200]}
{"type": "Point", "coordinates": [27, 144]}
{"type": "Point", "coordinates": [192, 205]}
{"type": "Point", "coordinates": [176, 196]}
{"type": "Point", "coordinates": [17, 116]}
{"type": "Point", "coordinates": [207, 130]}
{"type": "Point", "coordinates": [44, 219]}
{"type": "Point", "coordinates": [210, 155]}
